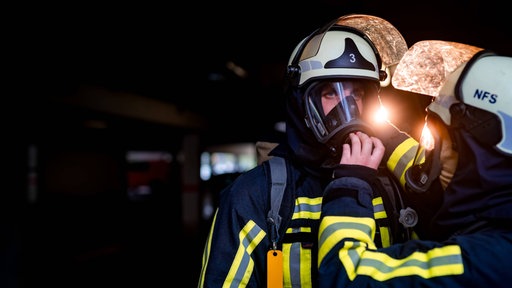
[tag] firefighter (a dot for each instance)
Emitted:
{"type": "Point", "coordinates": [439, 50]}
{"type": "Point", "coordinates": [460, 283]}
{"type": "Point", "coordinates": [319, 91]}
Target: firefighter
{"type": "Point", "coordinates": [459, 184]}
{"type": "Point", "coordinates": [333, 80]}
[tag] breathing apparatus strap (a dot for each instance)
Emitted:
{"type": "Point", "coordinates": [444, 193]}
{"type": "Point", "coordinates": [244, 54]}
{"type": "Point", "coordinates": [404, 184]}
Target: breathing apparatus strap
{"type": "Point", "coordinates": [274, 256]}
{"type": "Point", "coordinates": [278, 175]}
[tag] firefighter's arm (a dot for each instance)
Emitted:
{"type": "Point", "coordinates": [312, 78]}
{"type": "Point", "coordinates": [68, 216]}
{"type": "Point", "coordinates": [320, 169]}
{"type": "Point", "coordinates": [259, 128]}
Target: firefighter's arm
{"type": "Point", "coordinates": [347, 225]}
{"type": "Point", "coordinates": [400, 149]}
{"type": "Point", "coordinates": [236, 247]}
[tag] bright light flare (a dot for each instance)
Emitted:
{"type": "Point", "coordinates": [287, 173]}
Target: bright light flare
{"type": "Point", "coordinates": [427, 139]}
{"type": "Point", "coordinates": [381, 115]}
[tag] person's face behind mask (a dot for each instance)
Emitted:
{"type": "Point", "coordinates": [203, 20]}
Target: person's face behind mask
{"type": "Point", "coordinates": [333, 93]}
{"type": "Point", "coordinates": [334, 109]}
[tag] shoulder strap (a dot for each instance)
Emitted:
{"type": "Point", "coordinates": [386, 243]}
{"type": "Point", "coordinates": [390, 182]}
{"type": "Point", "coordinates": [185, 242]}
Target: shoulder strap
{"type": "Point", "coordinates": [401, 218]}
{"type": "Point", "coordinates": [278, 178]}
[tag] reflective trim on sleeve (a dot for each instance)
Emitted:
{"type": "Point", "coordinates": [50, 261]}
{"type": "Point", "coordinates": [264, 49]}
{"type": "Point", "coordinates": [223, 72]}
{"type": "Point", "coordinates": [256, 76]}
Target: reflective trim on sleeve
{"type": "Point", "coordinates": [401, 159]}
{"type": "Point", "coordinates": [334, 229]}
{"type": "Point", "coordinates": [441, 261]}
{"type": "Point", "coordinates": [206, 252]}
{"type": "Point", "coordinates": [359, 258]}
{"type": "Point", "coordinates": [241, 268]}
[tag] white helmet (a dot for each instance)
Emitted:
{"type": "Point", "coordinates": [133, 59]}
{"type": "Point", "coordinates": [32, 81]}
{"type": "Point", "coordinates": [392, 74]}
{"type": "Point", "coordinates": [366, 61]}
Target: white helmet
{"type": "Point", "coordinates": [486, 83]}
{"type": "Point", "coordinates": [456, 74]}
{"type": "Point", "coordinates": [335, 56]}
{"type": "Point", "coordinates": [343, 58]}
{"type": "Point", "coordinates": [337, 53]}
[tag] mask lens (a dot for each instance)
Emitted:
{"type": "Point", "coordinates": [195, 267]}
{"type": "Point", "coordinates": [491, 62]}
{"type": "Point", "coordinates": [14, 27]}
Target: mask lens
{"type": "Point", "coordinates": [331, 105]}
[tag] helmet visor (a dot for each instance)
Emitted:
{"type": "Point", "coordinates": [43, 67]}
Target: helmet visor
{"type": "Point", "coordinates": [332, 106]}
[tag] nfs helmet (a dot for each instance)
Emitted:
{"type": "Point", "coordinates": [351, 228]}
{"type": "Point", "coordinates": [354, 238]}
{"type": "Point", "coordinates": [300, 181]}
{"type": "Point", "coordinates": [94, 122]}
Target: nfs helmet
{"type": "Point", "coordinates": [471, 92]}
{"type": "Point", "coordinates": [472, 88]}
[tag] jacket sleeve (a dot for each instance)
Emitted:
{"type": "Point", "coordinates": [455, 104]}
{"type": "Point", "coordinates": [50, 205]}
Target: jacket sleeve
{"type": "Point", "coordinates": [400, 150]}
{"type": "Point", "coordinates": [235, 251]}
{"type": "Point", "coordinates": [348, 256]}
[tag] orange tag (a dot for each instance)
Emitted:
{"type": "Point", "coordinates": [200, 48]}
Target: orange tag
{"type": "Point", "coordinates": [274, 269]}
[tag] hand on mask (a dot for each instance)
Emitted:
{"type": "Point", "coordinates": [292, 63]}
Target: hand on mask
{"type": "Point", "coordinates": [363, 150]}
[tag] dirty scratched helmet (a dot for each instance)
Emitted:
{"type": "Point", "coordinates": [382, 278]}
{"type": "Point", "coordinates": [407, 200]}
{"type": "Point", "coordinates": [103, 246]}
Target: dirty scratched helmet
{"type": "Point", "coordinates": [472, 95]}
{"type": "Point", "coordinates": [340, 60]}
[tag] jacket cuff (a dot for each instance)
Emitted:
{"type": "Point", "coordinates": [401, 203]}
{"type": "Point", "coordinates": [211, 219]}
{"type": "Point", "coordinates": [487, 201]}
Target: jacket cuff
{"type": "Point", "coordinates": [362, 172]}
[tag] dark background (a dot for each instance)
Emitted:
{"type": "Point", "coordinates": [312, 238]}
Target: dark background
{"type": "Point", "coordinates": [177, 54]}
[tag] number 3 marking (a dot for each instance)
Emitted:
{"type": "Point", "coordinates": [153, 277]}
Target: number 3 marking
{"type": "Point", "coordinates": [352, 58]}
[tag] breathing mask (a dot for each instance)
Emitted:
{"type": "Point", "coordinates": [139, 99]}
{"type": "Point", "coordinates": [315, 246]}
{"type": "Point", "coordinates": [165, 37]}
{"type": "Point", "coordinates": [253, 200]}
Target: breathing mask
{"type": "Point", "coordinates": [333, 110]}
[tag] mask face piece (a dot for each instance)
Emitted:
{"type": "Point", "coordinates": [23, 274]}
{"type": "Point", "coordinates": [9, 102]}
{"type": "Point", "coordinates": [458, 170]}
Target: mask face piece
{"type": "Point", "coordinates": [334, 109]}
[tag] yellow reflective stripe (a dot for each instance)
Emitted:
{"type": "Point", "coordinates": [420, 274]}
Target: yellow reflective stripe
{"type": "Point", "coordinates": [287, 282]}
{"type": "Point", "coordinates": [241, 268]}
{"type": "Point", "coordinates": [298, 230]}
{"type": "Point", "coordinates": [377, 201]}
{"type": "Point", "coordinates": [351, 248]}
{"type": "Point", "coordinates": [297, 263]}
{"type": "Point", "coordinates": [379, 212]}
{"type": "Point", "coordinates": [307, 208]}
{"type": "Point", "coordinates": [378, 208]}
{"type": "Point", "coordinates": [306, 215]}
{"type": "Point", "coordinates": [335, 228]}
{"type": "Point", "coordinates": [206, 251]}
{"type": "Point", "coordinates": [385, 239]}
{"type": "Point", "coordinates": [296, 259]}
{"type": "Point", "coordinates": [309, 201]}
{"type": "Point", "coordinates": [305, 267]}
{"type": "Point", "coordinates": [401, 158]}
{"type": "Point", "coordinates": [441, 261]}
